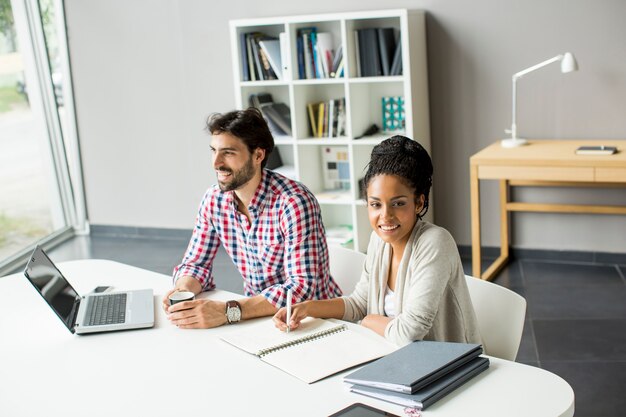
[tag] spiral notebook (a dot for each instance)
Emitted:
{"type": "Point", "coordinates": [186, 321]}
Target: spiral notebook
{"type": "Point", "coordinates": [317, 349]}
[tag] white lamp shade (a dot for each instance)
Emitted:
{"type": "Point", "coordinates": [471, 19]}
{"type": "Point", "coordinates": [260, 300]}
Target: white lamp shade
{"type": "Point", "coordinates": [568, 63]}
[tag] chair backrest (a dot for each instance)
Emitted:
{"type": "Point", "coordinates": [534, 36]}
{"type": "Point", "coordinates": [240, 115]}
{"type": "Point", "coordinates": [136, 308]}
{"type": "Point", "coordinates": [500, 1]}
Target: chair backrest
{"type": "Point", "coordinates": [345, 267]}
{"type": "Point", "coordinates": [501, 314]}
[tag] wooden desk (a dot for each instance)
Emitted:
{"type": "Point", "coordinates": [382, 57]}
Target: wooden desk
{"type": "Point", "coordinates": [552, 163]}
{"type": "Point", "coordinates": [166, 371]}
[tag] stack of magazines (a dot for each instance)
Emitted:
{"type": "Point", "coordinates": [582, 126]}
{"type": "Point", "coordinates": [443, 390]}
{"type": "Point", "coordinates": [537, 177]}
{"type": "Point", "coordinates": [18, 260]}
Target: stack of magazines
{"type": "Point", "coordinates": [420, 373]}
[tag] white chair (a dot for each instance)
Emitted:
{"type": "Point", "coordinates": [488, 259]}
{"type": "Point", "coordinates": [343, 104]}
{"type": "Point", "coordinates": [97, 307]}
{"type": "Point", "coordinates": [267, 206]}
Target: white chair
{"type": "Point", "coordinates": [501, 314]}
{"type": "Point", "coordinates": [345, 267]}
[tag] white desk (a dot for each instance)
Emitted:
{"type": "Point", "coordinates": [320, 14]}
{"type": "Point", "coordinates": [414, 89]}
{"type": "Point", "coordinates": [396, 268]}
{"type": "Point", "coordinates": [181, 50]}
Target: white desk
{"type": "Point", "coordinates": [46, 370]}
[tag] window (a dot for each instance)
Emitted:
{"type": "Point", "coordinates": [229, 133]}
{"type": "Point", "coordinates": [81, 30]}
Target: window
{"type": "Point", "coordinates": [41, 195]}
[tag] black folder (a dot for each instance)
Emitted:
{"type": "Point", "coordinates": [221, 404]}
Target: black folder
{"type": "Point", "coordinates": [431, 393]}
{"type": "Point", "coordinates": [414, 366]}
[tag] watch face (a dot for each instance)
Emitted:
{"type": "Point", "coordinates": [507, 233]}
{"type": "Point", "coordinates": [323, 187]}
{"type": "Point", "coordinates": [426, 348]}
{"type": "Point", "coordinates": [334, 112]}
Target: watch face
{"type": "Point", "coordinates": [233, 314]}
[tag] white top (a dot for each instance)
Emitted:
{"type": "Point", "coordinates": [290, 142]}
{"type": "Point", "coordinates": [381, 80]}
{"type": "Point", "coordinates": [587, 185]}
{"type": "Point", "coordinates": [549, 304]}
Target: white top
{"type": "Point", "coordinates": [390, 309]}
{"type": "Point", "coordinates": [43, 360]}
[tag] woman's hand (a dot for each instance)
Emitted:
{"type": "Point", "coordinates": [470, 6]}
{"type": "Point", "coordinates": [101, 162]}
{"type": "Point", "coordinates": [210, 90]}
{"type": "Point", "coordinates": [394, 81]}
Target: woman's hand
{"type": "Point", "coordinates": [298, 313]}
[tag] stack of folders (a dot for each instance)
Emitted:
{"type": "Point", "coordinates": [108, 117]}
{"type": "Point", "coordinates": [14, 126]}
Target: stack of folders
{"type": "Point", "coordinates": [420, 373]}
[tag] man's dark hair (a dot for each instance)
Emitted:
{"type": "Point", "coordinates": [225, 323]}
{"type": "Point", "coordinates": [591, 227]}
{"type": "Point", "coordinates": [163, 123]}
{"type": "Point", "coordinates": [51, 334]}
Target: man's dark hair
{"type": "Point", "coordinates": [406, 159]}
{"type": "Point", "coordinates": [247, 125]}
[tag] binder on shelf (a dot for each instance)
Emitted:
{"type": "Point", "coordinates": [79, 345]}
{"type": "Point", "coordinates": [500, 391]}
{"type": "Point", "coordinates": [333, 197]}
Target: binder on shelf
{"type": "Point", "coordinates": [387, 46]}
{"type": "Point", "coordinates": [357, 53]}
{"type": "Point", "coordinates": [328, 346]}
{"type": "Point", "coordinates": [284, 54]}
{"type": "Point", "coordinates": [369, 52]}
{"type": "Point", "coordinates": [278, 115]}
{"type": "Point", "coordinates": [396, 66]}
{"type": "Point", "coordinates": [414, 366]}
{"type": "Point", "coordinates": [431, 393]}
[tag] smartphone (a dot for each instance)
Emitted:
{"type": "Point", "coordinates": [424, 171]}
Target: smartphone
{"type": "Point", "coordinates": [101, 289]}
{"type": "Point", "coordinates": [361, 410]}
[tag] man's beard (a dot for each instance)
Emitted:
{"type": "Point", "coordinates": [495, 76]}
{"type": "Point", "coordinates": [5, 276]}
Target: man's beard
{"type": "Point", "coordinates": [238, 178]}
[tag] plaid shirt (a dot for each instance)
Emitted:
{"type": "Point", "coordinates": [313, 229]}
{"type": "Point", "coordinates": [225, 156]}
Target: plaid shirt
{"type": "Point", "coordinates": [282, 247]}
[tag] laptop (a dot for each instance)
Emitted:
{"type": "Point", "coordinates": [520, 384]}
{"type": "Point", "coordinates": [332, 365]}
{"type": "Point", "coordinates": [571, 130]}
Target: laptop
{"type": "Point", "coordinates": [91, 313]}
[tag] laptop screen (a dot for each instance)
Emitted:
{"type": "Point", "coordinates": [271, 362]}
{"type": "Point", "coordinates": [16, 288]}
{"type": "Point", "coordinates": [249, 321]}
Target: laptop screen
{"type": "Point", "coordinates": [52, 286]}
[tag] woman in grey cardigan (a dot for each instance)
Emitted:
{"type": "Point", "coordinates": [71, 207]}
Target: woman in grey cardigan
{"type": "Point", "coordinates": [412, 286]}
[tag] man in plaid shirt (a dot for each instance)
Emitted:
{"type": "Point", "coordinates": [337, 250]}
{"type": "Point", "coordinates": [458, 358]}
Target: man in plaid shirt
{"type": "Point", "coordinates": [271, 226]}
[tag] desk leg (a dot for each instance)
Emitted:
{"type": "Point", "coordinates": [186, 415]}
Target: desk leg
{"type": "Point", "coordinates": [499, 263]}
{"type": "Point", "coordinates": [475, 220]}
{"type": "Point", "coordinates": [504, 219]}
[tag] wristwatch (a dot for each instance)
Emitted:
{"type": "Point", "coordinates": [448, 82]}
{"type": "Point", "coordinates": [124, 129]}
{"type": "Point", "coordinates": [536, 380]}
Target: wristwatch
{"type": "Point", "coordinates": [233, 311]}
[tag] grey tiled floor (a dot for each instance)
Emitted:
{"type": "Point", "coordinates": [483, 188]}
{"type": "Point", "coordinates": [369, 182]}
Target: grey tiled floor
{"type": "Point", "coordinates": [575, 325]}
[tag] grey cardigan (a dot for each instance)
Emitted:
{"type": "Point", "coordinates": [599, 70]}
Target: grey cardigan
{"type": "Point", "coordinates": [432, 301]}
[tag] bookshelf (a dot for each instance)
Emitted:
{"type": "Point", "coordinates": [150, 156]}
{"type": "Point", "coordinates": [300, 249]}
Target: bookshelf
{"type": "Point", "coordinates": [302, 152]}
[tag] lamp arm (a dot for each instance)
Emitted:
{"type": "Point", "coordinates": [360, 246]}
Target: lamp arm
{"type": "Point", "coordinates": [518, 75]}
{"type": "Point", "coordinates": [536, 67]}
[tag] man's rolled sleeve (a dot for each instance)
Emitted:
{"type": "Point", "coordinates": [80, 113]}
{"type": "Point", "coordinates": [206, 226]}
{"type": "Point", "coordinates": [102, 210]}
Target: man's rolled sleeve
{"type": "Point", "coordinates": [201, 251]}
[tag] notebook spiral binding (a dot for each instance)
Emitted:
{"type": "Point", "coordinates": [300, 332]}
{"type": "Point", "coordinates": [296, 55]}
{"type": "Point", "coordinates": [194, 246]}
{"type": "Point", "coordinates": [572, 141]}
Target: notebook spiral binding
{"type": "Point", "coordinates": [306, 339]}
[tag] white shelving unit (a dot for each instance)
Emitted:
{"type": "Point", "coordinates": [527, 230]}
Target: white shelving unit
{"type": "Point", "coordinates": [363, 97]}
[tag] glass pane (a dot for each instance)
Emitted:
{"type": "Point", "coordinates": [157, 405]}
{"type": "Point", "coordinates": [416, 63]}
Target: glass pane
{"type": "Point", "coordinates": [30, 205]}
{"type": "Point", "coordinates": [49, 23]}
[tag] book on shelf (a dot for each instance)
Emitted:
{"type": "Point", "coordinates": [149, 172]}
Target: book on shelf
{"type": "Point", "coordinates": [308, 50]}
{"type": "Point", "coordinates": [337, 63]}
{"type": "Point", "coordinates": [316, 349]}
{"type": "Point", "coordinates": [243, 50]}
{"type": "Point", "coordinates": [327, 119]}
{"type": "Point", "coordinates": [415, 365]}
{"type": "Point", "coordinates": [316, 53]}
{"type": "Point", "coordinates": [300, 56]}
{"type": "Point", "coordinates": [386, 46]}
{"type": "Point", "coordinates": [255, 60]}
{"type": "Point", "coordinates": [432, 392]}
{"type": "Point", "coordinates": [596, 150]}
{"type": "Point", "coordinates": [325, 53]}
{"type": "Point", "coordinates": [312, 110]}
{"type": "Point", "coordinates": [320, 119]}
{"type": "Point", "coordinates": [271, 49]}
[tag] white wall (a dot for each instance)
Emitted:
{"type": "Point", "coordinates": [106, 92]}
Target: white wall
{"type": "Point", "coordinates": [148, 72]}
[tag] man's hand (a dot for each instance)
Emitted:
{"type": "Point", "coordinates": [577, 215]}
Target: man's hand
{"type": "Point", "coordinates": [182, 284]}
{"type": "Point", "coordinates": [197, 314]}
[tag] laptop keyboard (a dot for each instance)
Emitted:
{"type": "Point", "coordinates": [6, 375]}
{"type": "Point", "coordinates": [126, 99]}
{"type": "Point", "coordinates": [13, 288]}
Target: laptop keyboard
{"type": "Point", "coordinates": [106, 309]}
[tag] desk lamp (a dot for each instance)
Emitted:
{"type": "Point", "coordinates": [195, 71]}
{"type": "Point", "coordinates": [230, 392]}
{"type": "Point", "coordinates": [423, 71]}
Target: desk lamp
{"type": "Point", "coordinates": [568, 64]}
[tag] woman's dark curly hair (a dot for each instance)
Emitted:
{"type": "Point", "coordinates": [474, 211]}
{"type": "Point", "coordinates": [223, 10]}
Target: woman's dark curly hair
{"type": "Point", "coordinates": [406, 159]}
